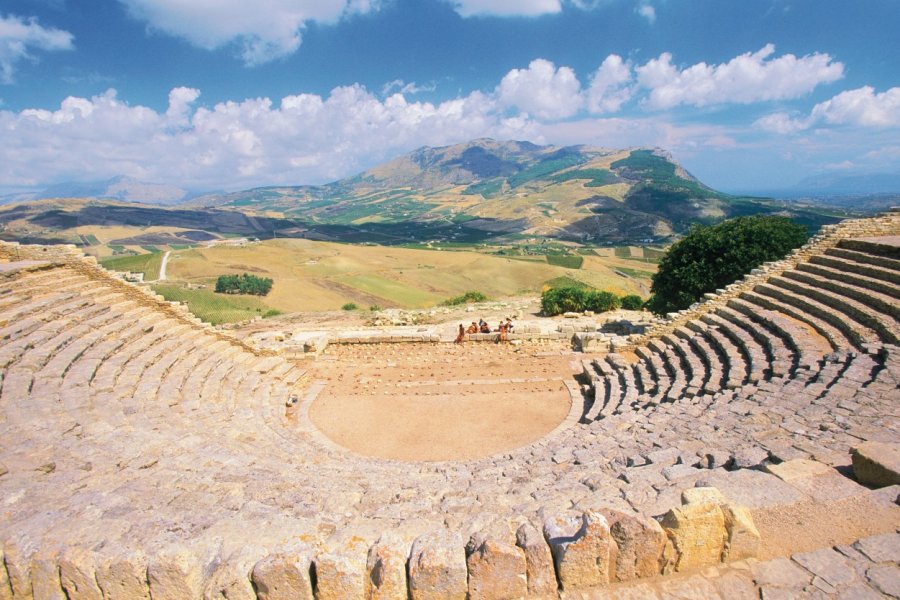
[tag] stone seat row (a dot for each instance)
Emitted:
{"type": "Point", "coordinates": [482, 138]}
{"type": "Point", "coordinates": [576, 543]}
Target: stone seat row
{"type": "Point", "coordinates": [771, 331]}
{"type": "Point", "coordinates": [89, 348]}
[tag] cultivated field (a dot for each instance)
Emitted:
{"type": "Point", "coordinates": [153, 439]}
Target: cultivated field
{"type": "Point", "coordinates": [324, 276]}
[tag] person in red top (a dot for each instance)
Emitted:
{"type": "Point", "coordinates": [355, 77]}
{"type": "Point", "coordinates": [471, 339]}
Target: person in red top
{"type": "Point", "coordinates": [461, 335]}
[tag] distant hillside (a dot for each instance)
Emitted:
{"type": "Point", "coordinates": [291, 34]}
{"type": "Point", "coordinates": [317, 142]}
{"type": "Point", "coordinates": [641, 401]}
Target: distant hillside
{"type": "Point", "coordinates": [118, 188]}
{"type": "Point", "coordinates": [514, 190]}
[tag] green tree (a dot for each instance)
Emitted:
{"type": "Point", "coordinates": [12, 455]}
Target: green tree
{"type": "Point", "coordinates": [709, 258]}
{"type": "Point", "coordinates": [243, 284]}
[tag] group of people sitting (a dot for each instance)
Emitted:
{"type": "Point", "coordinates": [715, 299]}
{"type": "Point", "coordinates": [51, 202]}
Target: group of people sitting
{"type": "Point", "coordinates": [504, 329]}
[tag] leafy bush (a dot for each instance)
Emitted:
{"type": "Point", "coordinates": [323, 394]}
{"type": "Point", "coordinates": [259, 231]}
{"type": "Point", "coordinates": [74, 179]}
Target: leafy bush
{"type": "Point", "coordinates": [374, 308]}
{"type": "Point", "coordinates": [579, 298]}
{"type": "Point", "coordinates": [632, 302]}
{"type": "Point", "coordinates": [556, 301]}
{"type": "Point", "coordinates": [599, 302]}
{"type": "Point", "coordinates": [709, 258]}
{"type": "Point", "coordinates": [243, 284]}
{"type": "Point", "coordinates": [272, 312]}
{"type": "Point", "coordinates": [471, 296]}
{"type": "Point", "coordinates": [349, 306]}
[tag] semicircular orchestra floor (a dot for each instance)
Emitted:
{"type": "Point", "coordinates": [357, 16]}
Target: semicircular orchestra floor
{"type": "Point", "coordinates": [434, 402]}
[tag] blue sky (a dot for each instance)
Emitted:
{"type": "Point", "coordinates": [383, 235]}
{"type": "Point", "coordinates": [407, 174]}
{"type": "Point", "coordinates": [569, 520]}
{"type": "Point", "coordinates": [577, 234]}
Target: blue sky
{"type": "Point", "coordinates": [230, 94]}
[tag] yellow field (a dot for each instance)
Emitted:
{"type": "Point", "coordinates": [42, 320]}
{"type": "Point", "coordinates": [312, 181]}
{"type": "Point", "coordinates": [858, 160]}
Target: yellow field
{"type": "Point", "coordinates": [323, 276]}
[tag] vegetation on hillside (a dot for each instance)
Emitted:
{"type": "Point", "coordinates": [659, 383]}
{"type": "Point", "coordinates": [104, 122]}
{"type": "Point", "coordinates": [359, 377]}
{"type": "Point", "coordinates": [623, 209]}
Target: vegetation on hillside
{"type": "Point", "coordinates": [148, 264]}
{"type": "Point", "coordinates": [216, 308]}
{"type": "Point", "coordinates": [711, 257]}
{"type": "Point", "coordinates": [243, 284]}
{"type": "Point", "coordinates": [470, 296]}
{"type": "Point", "coordinates": [579, 298]}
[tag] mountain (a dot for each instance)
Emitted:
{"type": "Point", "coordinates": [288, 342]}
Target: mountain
{"type": "Point", "coordinates": [118, 188]}
{"type": "Point", "coordinates": [511, 190]}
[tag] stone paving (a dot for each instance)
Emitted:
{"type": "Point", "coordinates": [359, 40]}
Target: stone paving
{"type": "Point", "coordinates": [142, 453]}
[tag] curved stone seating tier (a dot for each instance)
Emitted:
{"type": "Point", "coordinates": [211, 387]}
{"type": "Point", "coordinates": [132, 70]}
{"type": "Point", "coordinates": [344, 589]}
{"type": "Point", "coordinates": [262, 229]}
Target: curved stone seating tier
{"type": "Point", "coordinates": [143, 452]}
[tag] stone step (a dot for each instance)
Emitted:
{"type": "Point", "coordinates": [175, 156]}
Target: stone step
{"type": "Point", "coordinates": [865, 258]}
{"type": "Point", "coordinates": [859, 280]}
{"type": "Point", "coordinates": [735, 367]}
{"type": "Point", "coordinates": [847, 265]}
{"type": "Point", "coordinates": [869, 325]}
{"type": "Point", "coordinates": [856, 336]}
{"type": "Point", "coordinates": [835, 336]}
{"type": "Point", "coordinates": [882, 303]}
{"type": "Point", "coordinates": [745, 344]}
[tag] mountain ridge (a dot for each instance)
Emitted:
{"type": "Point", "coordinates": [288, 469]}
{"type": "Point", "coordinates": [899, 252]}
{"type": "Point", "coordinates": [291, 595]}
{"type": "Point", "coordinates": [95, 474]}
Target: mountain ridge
{"type": "Point", "coordinates": [512, 188]}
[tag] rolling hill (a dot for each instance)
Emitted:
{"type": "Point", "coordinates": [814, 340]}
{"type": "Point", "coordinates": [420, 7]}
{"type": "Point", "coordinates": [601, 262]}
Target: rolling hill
{"type": "Point", "coordinates": [512, 190]}
{"type": "Point", "coordinates": [483, 191]}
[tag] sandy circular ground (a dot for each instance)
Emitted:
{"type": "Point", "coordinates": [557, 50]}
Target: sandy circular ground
{"type": "Point", "coordinates": [432, 402]}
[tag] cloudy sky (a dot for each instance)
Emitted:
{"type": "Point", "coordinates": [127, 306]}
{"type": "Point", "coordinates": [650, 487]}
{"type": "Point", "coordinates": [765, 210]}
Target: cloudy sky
{"type": "Point", "coordinates": [229, 94]}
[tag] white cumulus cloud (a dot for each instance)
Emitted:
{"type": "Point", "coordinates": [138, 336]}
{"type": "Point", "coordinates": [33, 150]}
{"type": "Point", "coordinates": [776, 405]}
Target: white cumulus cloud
{"type": "Point", "coordinates": [609, 88]}
{"type": "Point", "coordinates": [301, 139]}
{"type": "Point", "coordinates": [542, 90]}
{"type": "Point", "coordinates": [264, 29]}
{"type": "Point", "coordinates": [750, 77]}
{"type": "Point", "coordinates": [781, 123]}
{"type": "Point", "coordinates": [19, 35]}
{"type": "Point", "coordinates": [506, 8]}
{"type": "Point", "coordinates": [862, 107]}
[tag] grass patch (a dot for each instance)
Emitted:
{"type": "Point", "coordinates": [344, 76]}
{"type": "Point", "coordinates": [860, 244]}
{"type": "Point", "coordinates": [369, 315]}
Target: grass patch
{"type": "Point", "coordinates": [544, 168]}
{"type": "Point", "coordinates": [148, 264]}
{"type": "Point", "coordinates": [471, 296]}
{"type": "Point", "coordinates": [564, 282]}
{"type": "Point", "coordinates": [567, 261]}
{"type": "Point", "coordinates": [215, 308]}
{"type": "Point", "coordinates": [487, 189]}
{"type": "Point", "coordinates": [595, 177]}
{"type": "Point", "coordinates": [635, 272]}
{"type": "Point", "coordinates": [150, 249]}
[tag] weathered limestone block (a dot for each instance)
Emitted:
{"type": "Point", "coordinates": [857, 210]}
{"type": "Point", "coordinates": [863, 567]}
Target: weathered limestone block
{"type": "Point", "coordinates": [175, 574]}
{"type": "Point", "coordinates": [583, 550]}
{"type": "Point", "coordinates": [17, 556]}
{"type": "Point", "coordinates": [5, 589]}
{"type": "Point", "coordinates": [45, 584]}
{"type": "Point", "coordinates": [124, 577]}
{"type": "Point", "coordinates": [386, 569]}
{"type": "Point", "coordinates": [231, 578]}
{"type": "Point", "coordinates": [497, 569]}
{"type": "Point", "coordinates": [698, 532]}
{"type": "Point", "coordinates": [742, 536]}
{"type": "Point", "coordinates": [283, 577]}
{"type": "Point", "coordinates": [341, 572]}
{"type": "Point", "coordinates": [437, 568]}
{"type": "Point", "coordinates": [640, 541]}
{"type": "Point", "coordinates": [539, 569]}
{"type": "Point", "coordinates": [877, 463]}
{"type": "Point", "coordinates": [798, 468]}
{"type": "Point", "coordinates": [78, 574]}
